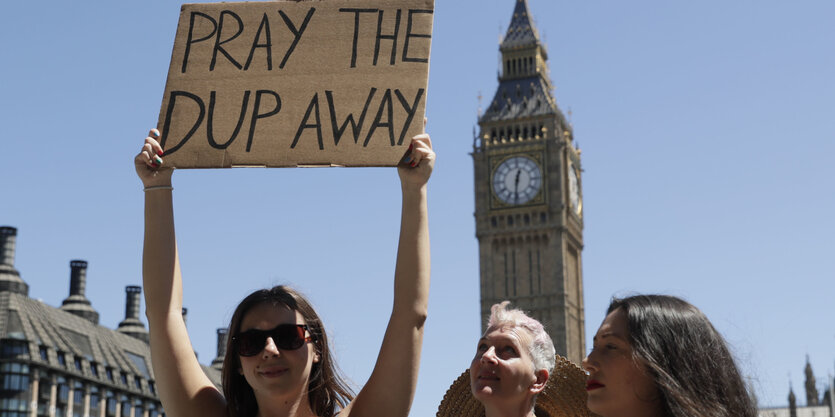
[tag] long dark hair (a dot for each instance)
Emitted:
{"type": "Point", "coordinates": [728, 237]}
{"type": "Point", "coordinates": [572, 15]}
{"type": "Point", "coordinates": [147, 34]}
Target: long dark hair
{"type": "Point", "coordinates": [689, 360]}
{"type": "Point", "coordinates": [327, 390]}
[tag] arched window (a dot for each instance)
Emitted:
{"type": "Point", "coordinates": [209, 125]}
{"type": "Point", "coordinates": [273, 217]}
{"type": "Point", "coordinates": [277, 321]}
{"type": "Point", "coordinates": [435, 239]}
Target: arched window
{"type": "Point", "coordinates": [44, 394]}
{"type": "Point", "coordinates": [110, 405]}
{"type": "Point", "coordinates": [63, 397]}
{"type": "Point", "coordinates": [126, 406]}
{"type": "Point", "coordinates": [78, 399]}
{"type": "Point", "coordinates": [95, 402]}
{"type": "Point", "coordinates": [138, 408]}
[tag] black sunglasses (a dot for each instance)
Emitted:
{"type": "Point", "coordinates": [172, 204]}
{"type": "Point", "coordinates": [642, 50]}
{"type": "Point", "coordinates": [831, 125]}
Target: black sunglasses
{"type": "Point", "coordinates": [285, 337]}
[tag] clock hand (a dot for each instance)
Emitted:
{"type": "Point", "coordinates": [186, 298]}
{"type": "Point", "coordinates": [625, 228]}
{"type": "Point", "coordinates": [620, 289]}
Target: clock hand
{"type": "Point", "coordinates": [516, 186]}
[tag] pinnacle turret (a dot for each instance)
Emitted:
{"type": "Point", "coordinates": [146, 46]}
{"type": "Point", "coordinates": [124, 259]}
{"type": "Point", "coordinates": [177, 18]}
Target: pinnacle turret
{"type": "Point", "coordinates": [525, 89]}
{"type": "Point", "coordinates": [522, 31]}
{"type": "Point", "coordinates": [811, 387]}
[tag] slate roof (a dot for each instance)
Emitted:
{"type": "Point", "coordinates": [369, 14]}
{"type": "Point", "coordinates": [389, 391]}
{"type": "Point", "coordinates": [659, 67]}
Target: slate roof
{"type": "Point", "coordinates": [522, 31]}
{"type": "Point", "coordinates": [521, 98]}
{"type": "Point", "coordinates": [10, 280]}
{"type": "Point", "coordinates": [24, 318]}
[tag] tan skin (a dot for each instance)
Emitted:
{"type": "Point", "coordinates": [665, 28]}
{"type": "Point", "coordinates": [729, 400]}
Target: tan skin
{"type": "Point", "coordinates": [502, 375]}
{"type": "Point", "coordinates": [278, 377]}
{"type": "Point", "coordinates": [183, 387]}
{"type": "Point", "coordinates": [617, 386]}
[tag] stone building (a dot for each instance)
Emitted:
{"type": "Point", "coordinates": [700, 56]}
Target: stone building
{"type": "Point", "coordinates": [815, 406]}
{"type": "Point", "coordinates": [528, 194]}
{"type": "Point", "coordinates": [59, 362]}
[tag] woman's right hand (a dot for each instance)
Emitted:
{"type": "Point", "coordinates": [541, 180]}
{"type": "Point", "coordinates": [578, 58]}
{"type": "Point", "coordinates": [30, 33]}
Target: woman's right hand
{"type": "Point", "coordinates": [149, 164]}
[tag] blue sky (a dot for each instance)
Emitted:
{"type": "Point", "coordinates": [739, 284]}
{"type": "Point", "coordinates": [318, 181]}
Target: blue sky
{"type": "Point", "coordinates": [708, 156]}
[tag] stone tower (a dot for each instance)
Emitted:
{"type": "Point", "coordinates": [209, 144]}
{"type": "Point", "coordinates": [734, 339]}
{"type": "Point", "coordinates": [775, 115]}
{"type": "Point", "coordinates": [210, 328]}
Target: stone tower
{"type": "Point", "coordinates": [528, 194]}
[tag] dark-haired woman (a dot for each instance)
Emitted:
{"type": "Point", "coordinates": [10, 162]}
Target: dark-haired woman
{"type": "Point", "coordinates": [278, 362]}
{"type": "Point", "coordinates": [657, 355]}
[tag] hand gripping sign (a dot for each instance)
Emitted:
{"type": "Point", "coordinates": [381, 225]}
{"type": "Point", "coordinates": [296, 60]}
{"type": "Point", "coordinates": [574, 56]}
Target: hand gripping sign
{"type": "Point", "coordinates": [287, 83]}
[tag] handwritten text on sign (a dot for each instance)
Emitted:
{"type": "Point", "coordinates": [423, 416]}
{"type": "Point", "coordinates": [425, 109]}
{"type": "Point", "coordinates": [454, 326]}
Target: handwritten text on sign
{"type": "Point", "coordinates": [338, 82]}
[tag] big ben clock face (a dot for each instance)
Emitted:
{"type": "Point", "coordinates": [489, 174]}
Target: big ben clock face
{"type": "Point", "coordinates": [517, 180]}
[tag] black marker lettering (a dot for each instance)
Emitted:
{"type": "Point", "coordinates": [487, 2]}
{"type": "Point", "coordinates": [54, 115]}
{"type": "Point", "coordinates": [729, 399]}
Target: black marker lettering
{"type": "Point", "coordinates": [409, 110]}
{"type": "Point", "coordinates": [392, 37]}
{"type": "Point", "coordinates": [356, 127]}
{"type": "Point", "coordinates": [191, 39]}
{"type": "Point", "coordinates": [265, 26]}
{"type": "Point", "coordinates": [410, 35]}
{"type": "Point", "coordinates": [170, 111]}
{"type": "Point", "coordinates": [256, 115]}
{"type": "Point", "coordinates": [218, 42]}
{"type": "Point", "coordinates": [314, 104]}
{"type": "Point", "coordinates": [296, 33]}
{"type": "Point", "coordinates": [210, 135]}
{"type": "Point", "coordinates": [385, 104]}
{"type": "Point", "coordinates": [356, 30]}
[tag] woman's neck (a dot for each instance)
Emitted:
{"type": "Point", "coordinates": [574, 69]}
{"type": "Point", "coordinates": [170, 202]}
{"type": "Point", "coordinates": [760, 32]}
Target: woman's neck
{"type": "Point", "coordinates": [508, 411]}
{"type": "Point", "coordinates": [284, 406]}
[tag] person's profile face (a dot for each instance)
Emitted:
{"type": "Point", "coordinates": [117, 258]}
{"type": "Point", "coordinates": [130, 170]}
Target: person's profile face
{"type": "Point", "coordinates": [502, 369]}
{"type": "Point", "coordinates": [617, 385]}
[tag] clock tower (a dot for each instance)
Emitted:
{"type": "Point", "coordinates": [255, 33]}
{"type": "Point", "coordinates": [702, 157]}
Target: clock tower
{"type": "Point", "coordinates": [528, 194]}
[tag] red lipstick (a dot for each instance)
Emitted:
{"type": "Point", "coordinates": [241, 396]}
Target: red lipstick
{"type": "Point", "coordinates": [593, 384]}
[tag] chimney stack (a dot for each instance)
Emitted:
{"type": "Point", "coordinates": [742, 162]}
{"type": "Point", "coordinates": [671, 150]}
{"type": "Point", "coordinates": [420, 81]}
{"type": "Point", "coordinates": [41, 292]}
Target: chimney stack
{"type": "Point", "coordinates": [78, 277]}
{"type": "Point", "coordinates": [9, 277]}
{"type": "Point", "coordinates": [222, 335]}
{"type": "Point", "coordinates": [8, 236]}
{"type": "Point", "coordinates": [77, 303]}
{"type": "Point", "coordinates": [131, 325]}
{"type": "Point", "coordinates": [133, 293]}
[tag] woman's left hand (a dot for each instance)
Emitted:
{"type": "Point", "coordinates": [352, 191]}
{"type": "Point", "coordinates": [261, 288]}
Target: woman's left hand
{"type": "Point", "coordinates": [417, 168]}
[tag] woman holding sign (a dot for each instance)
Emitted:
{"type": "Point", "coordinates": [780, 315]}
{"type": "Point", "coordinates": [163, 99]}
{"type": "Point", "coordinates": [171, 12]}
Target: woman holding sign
{"type": "Point", "coordinates": [278, 360]}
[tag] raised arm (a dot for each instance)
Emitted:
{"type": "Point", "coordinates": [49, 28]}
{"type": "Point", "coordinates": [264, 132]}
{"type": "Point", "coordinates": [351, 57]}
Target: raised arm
{"type": "Point", "coordinates": [183, 387]}
{"type": "Point", "coordinates": [391, 387]}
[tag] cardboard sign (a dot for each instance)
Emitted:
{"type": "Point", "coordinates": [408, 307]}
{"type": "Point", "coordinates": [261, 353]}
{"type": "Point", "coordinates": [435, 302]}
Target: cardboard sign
{"type": "Point", "coordinates": [287, 83]}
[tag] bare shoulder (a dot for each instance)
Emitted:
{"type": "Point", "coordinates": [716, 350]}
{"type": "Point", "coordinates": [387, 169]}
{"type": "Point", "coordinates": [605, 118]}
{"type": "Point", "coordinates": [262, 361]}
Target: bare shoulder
{"type": "Point", "coordinates": [345, 412]}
